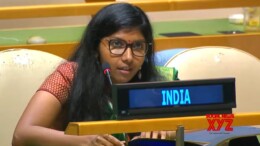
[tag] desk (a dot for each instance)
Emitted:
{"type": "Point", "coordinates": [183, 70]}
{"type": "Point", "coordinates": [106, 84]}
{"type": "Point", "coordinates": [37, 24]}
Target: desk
{"type": "Point", "coordinates": [246, 42]}
{"type": "Point", "coordinates": [128, 126]}
{"type": "Point", "coordinates": [61, 41]}
{"type": "Point", "coordinates": [91, 8]}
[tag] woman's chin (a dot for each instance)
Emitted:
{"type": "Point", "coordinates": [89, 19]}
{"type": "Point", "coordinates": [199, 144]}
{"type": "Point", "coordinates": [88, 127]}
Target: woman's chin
{"type": "Point", "coordinates": [121, 80]}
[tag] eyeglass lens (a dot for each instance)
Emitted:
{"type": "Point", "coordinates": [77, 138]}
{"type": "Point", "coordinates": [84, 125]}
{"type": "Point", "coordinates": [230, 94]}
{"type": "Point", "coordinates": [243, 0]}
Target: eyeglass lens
{"type": "Point", "coordinates": [118, 47]}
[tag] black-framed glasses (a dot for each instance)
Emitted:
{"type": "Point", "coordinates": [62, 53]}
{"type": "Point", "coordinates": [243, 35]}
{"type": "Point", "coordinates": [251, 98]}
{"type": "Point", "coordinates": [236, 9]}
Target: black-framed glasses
{"type": "Point", "coordinates": [119, 46]}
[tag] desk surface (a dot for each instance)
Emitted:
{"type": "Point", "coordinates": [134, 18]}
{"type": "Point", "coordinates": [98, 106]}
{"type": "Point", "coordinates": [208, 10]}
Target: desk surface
{"type": "Point", "coordinates": [62, 41]}
{"type": "Point", "coordinates": [190, 123]}
{"type": "Point", "coordinates": [77, 9]}
{"type": "Point", "coordinates": [73, 34]}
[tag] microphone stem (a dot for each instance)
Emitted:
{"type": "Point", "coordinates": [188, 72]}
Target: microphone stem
{"type": "Point", "coordinates": [109, 77]}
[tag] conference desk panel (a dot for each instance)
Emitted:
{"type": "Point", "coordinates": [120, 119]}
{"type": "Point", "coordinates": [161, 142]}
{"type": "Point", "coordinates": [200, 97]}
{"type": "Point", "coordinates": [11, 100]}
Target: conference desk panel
{"type": "Point", "coordinates": [61, 41]}
{"type": "Point", "coordinates": [89, 8]}
{"type": "Point", "coordinates": [142, 125]}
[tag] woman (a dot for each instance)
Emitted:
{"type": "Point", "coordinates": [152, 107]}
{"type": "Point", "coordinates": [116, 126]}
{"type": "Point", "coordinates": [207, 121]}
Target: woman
{"type": "Point", "coordinates": [120, 35]}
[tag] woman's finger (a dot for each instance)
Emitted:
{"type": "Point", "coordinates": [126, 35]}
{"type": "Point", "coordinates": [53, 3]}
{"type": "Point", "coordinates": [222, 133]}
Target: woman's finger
{"type": "Point", "coordinates": [148, 134]}
{"type": "Point", "coordinates": [163, 134]}
{"type": "Point", "coordinates": [101, 141]}
{"type": "Point", "coordinates": [114, 141]}
{"type": "Point", "coordinates": [145, 135]}
{"type": "Point", "coordinates": [155, 134]}
{"type": "Point", "coordinates": [97, 141]}
{"type": "Point", "coordinates": [170, 135]}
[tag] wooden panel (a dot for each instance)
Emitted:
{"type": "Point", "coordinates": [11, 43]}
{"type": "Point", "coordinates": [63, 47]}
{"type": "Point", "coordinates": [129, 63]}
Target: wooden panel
{"type": "Point", "coordinates": [209, 4]}
{"type": "Point", "coordinates": [39, 11]}
{"type": "Point", "coordinates": [190, 123]}
{"type": "Point", "coordinates": [63, 50]}
{"type": "Point", "coordinates": [87, 1]}
{"type": "Point", "coordinates": [247, 42]}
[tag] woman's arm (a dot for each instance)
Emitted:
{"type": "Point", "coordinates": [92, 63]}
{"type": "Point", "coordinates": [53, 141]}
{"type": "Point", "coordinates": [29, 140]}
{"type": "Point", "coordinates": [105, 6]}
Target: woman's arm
{"type": "Point", "coordinates": [33, 127]}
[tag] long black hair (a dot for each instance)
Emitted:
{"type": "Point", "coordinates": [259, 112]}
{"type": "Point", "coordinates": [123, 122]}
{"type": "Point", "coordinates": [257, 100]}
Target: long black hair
{"type": "Point", "coordinates": [88, 97]}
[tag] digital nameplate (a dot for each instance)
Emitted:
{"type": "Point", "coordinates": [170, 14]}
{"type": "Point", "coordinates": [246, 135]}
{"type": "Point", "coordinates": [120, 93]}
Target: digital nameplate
{"type": "Point", "coordinates": [175, 98]}
{"type": "Point", "coordinates": [178, 96]}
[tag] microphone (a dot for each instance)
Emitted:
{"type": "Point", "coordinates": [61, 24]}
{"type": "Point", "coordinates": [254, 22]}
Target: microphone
{"type": "Point", "coordinates": [106, 70]}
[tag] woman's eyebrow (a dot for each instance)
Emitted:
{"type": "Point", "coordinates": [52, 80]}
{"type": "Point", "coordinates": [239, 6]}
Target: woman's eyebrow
{"type": "Point", "coordinates": [127, 40]}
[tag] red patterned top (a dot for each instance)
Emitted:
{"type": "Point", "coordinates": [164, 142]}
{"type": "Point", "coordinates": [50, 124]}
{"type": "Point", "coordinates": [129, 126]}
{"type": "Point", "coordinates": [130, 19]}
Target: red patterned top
{"type": "Point", "coordinates": [59, 82]}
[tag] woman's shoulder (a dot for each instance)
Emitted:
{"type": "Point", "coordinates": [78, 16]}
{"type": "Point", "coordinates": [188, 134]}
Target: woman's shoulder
{"type": "Point", "coordinates": [59, 82]}
{"type": "Point", "coordinates": [66, 69]}
{"type": "Point", "coordinates": [67, 65]}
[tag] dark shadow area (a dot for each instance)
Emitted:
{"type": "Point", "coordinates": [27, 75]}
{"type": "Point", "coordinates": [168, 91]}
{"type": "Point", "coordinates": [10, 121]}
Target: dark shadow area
{"type": "Point", "coordinates": [231, 32]}
{"type": "Point", "coordinates": [157, 142]}
{"type": "Point", "coordinates": [179, 34]}
{"type": "Point", "coordinates": [244, 141]}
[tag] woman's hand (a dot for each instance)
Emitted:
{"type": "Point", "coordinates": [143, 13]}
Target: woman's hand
{"type": "Point", "coordinates": [170, 135]}
{"type": "Point", "coordinates": [105, 140]}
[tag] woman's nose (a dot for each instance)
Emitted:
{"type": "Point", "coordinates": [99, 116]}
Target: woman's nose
{"type": "Point", "coordinates": [128, 55]}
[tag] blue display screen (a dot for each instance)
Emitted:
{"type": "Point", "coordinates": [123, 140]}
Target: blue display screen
{"type": "Point", "coordinates": [176, 96]}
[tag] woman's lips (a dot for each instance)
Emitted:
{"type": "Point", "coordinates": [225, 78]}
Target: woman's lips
{"type": "Point", "coordinates": [124, 70]}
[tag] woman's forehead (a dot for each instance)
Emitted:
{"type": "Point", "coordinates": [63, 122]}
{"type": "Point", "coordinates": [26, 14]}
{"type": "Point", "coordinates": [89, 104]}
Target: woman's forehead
{"type": "Point", "coordinates": [128, 34]}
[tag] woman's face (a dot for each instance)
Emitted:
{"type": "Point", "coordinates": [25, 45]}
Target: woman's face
{"type": "Point", "coordinates": [123, 67]}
